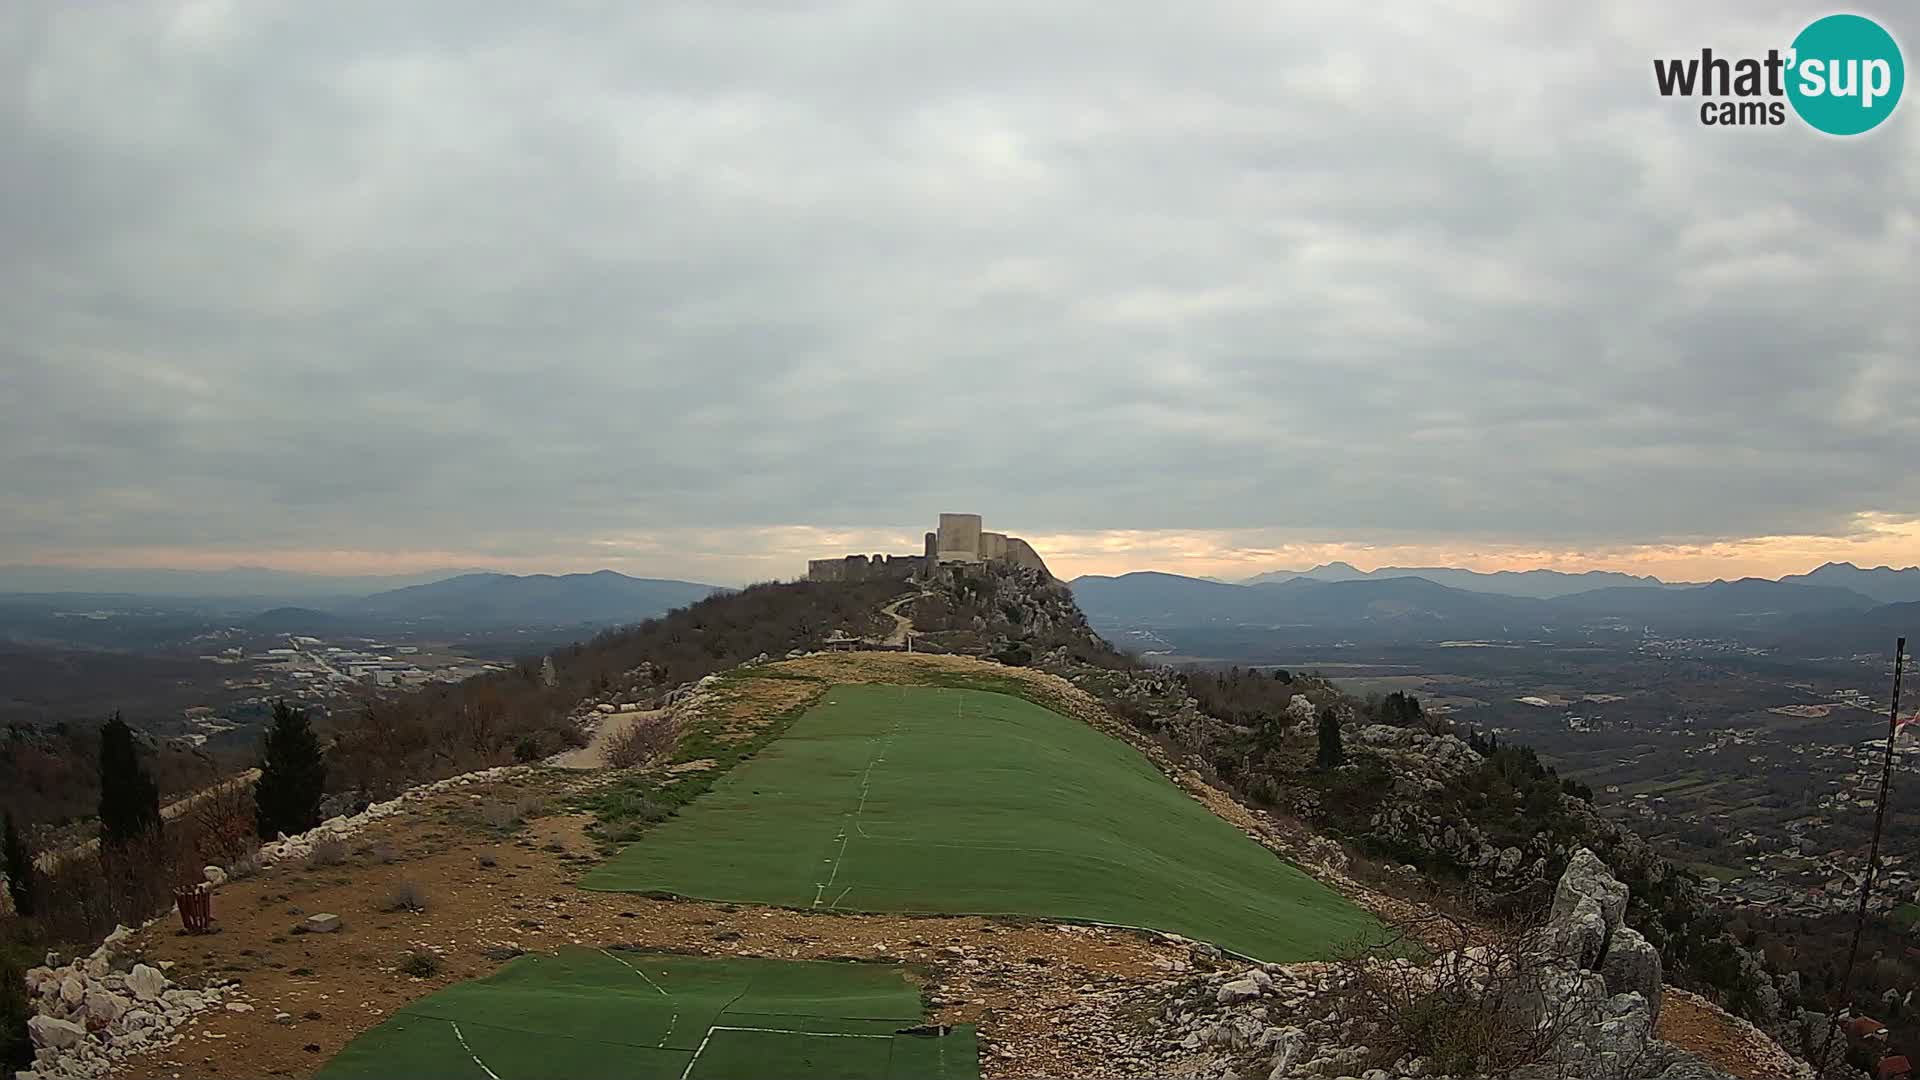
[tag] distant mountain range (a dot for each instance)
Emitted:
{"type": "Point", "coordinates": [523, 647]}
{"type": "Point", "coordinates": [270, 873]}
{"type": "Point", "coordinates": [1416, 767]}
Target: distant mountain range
{"type": "Point", "coordinates": [1888, 586]}
{"type": "Point", "coordinates": [1538, 584]}
{"type": "Point", "coordinates": [1410, 607]}
{"type": "Point", "coordinates": [462, 603]}
{"type": "Point", "coordinates": [508, 599]}
{"type": "Point", "coordinates": [238, 582]}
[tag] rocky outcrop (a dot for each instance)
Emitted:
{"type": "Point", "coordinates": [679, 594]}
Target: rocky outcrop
{"type": "Point", "coordinates": [1585, 985]}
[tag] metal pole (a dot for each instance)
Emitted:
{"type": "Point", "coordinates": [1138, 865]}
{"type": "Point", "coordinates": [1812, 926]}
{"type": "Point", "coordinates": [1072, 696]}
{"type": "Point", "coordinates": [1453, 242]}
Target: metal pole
{"type": "Point", "coordinates": [1873, 851]}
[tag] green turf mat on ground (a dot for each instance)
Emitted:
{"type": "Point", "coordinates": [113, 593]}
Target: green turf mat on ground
{"type": "Point", "coordinates": [651, 1016]}
{"type": "Point", "coordinates": [923, 799]}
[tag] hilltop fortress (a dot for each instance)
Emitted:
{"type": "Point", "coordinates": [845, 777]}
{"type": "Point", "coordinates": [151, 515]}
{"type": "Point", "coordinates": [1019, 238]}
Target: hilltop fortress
{"type": "Point", "coordinates": [959, 539]}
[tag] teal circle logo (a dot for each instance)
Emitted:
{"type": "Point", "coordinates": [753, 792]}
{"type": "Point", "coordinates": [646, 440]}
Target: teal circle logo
{"type": "Point", "coordinates": [1846, 74]}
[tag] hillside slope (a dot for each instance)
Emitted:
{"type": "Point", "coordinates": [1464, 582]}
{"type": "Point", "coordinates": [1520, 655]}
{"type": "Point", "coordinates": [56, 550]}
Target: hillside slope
{"type": "Point", "coordinates": [474, 871]}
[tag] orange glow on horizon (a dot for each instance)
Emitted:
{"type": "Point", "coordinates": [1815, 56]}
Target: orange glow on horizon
{"type": "Point", "coordinates": [734, 556]}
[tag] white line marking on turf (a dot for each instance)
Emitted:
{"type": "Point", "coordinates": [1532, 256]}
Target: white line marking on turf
{"type": "Point", "coordinates": [688, 1071]}
{"type": "Point", "coordinates": [866, 785]}
{"type": "Point", "coordinates": [471, 1054]}
{"type": "Point", "coordinates": [810, 1034]}
{"type": "Point", "coordinates": [673, 1020]}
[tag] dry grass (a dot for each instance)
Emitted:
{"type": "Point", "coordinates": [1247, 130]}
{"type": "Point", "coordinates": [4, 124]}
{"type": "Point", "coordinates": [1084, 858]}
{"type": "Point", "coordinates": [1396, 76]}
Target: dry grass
{"type": "Point", "coordinates": [645, 740]}
{"type": "Point", "coordinates": [406, 896]}
{"type": "Point", "coordinates": [510, 814]}
{"type": "Point", "coordinates": [1484, 1007]}
{"type": "Point", "coordinates": [330, 851]}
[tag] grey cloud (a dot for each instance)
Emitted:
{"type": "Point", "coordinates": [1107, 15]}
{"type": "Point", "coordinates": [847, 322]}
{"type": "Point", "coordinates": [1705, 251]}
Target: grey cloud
{"type": "Point", "coordinates": [506, 277]}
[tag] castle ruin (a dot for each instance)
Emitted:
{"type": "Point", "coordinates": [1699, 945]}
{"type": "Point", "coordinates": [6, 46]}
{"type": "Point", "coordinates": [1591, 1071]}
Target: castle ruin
{"type": "Point", "coordinates": [959, 539]}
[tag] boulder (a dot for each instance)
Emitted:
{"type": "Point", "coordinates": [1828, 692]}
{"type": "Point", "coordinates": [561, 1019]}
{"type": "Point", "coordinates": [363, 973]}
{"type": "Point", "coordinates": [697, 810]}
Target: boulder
{"type": "Point", "coordinates": [54, 1034]}
{"type": "Point", "coordinates": [322, 923]}
{"type": "Point", "coordinates": [215, 876]}
{"type": "Point", "coordinates": [1581, 935]}
{"type": "Point", "coordinates": [1244, 988]}
{"type": "Point", "coordinates": [105, 1006]}
{"type": "Point", "coordinates": [1289, 1051]}
{"type": "Point", "coordinates": [146, 982]}
{"type": "Point", "coordinates": [1587, 876]}
{"type": "Point", "coordinates": [73, 990]}
{"type": "Point", "coordinates": [1632, 965]}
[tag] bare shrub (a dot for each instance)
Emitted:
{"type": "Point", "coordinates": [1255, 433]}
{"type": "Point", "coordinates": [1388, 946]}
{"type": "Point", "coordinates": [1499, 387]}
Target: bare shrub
{"type": "Point", "coordinates": [245, 866]}
{"type": "Point", "coordinates": [1484, 1006]}
{"type": "Point", "coordinates": [223, 817]}
{"type": "Point", "coordinates": [406, 896]}
{"type": "Point", "coordinates": [420, 963]}
{"type": "Point", "coordinates": [499, 814]}
{"type": "Point", "coordinates": [643, 741]}
{"type": "Point", "coordinates": [328, 851]}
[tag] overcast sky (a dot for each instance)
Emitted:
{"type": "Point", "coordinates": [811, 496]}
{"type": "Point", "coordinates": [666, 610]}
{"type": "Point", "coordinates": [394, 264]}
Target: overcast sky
{"type": "Point", "coordinates": [703, 290]}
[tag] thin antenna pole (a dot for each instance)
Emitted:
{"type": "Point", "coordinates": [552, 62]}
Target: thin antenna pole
{"type": "Point", "coordinates": [1873, 851]}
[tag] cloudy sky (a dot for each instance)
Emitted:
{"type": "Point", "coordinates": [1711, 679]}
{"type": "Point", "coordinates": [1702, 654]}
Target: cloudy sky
{"type": "Point", "coordinates": [705, 289]}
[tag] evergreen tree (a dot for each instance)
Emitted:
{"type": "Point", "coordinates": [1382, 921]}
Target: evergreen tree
{"type": "Point", "coordinates": [16, 1044]}
{"type": "Point", "coordinates": [19, 863]}
{"type": "Point", "coordinates": [129, 799]}
{"type": "Point", "coordinates": [1332, 754]}
{"type": "Point", "coordinates": [293, 776]}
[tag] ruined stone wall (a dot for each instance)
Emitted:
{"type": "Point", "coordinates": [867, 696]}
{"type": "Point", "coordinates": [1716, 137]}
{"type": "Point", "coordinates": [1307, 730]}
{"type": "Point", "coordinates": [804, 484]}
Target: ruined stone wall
{"type": "Point", "coordinates": [993, 545]}
{"type": "Point", "coordinates": [865, 568]}
{"type": "Point", "coordinates": [1021, 553]}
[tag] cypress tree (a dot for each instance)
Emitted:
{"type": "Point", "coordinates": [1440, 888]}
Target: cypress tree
{"type": "Point", "coordinates": [16, 1044]}
{"type": "Point", "coordinates": [293, 776]}
{"type": "Point", "coordinates": [19, 863]}
{"type": "Point", "coordinates": [1332, 754]}
{"type": "Point", "coordinates": [129, 799]}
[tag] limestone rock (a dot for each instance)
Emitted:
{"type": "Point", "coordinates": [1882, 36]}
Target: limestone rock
{"type": "Point", "coordinates": [1587, 876]}
{"type": "Point", "coordinates": [146, 982]}
{"type": "Point", "coordinates": [1632, 965]}
{"type": "Point", "coordinates": [105, 1006]}
{"type": "Point", "coordinates": [322, 923]}
{"type": "Point", "coordinates": [1241, 989]}
{"type": "Point", "coordinates": [1582, 933]}
{"type": "Point", "coordinates": [215, 876]}
{"type": "Point", "coordinates": [55, 1034]}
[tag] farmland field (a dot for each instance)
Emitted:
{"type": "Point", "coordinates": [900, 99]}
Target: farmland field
{"type": "Point", "coordinates": [650, 1016]}
{"type": "Point", "coordinates": [938, 800]}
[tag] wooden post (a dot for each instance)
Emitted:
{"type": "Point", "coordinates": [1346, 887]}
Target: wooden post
{"type": "Point", "coordinates": [1873, 853]}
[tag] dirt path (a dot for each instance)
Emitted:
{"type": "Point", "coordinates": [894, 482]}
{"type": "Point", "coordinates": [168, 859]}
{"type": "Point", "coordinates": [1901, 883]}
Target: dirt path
{"type": "Point", "coordinates": [902, 625]}
{"type": "Point", "coordinates": [594, 754]}
{"type": "Point", "coordinates": [1735, 1046]}
{"type": "Point", "coordinates": [49, 861]}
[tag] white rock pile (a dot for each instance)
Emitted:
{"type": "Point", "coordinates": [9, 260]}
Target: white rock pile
{"type": "Point", "coordinates": [339, 828]}
{"type": "Point", "coordinates": [91, 1013]}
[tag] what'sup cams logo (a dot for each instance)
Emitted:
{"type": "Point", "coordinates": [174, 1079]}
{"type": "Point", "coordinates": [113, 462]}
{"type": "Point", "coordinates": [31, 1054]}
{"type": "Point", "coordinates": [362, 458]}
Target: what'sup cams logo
{"type": "Point", "coordinates": [1842, 75]}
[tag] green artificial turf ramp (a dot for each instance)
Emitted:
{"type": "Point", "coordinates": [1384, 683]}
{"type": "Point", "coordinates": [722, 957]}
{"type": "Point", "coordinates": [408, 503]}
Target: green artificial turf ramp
{"type": "Point", "coordinates": [923, 799]}
{"type": "Point", "coordinates": [651, 1016]}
